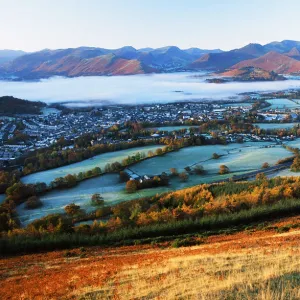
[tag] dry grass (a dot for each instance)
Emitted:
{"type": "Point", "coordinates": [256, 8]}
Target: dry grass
{"type": "Point", "coordinates": [257, 265]}
{"type": "Point", "coordinates": [206, 276]}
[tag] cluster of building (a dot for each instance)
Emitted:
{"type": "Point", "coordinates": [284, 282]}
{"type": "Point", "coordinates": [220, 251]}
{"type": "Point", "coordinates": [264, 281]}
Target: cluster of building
{"type": "Point", "coordinates": [22, 133]}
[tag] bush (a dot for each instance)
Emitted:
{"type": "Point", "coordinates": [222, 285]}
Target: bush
{"type": "Point", "coordinates": [103, 212]}
{"type": "Point", "coordinates": [131, 186]}
{"type": "Point", "coordinates": [33, 202]}
{"type": "Point", "coordinates": [215, 156]}
{"type": "Point", "coordinates": [183, 176]}
{"type": "Point", "coordinates": [123, 176]}
{"type": "Point", "coordinates": [223, 170]}
{"type": "Point", "coordinates": [213, 224]}
{"type": "Point", "coordinates": [186, 242]}
{"type": "Point", "coordinates": [260, 177]}
{"type": "Point", "coordinates": [97, 200]}
{"type": "Point", "coordinates": [295, 167]}
{"type": "Point", "coordinates": [265, 165]}
{"type": "Point", "coordinates": [72, 209]}
{"type": "Point", "coordinates": [283, 229]}
{"type": "Point", "coordinates": [174, 172]}
{"type": "Point", "coordinates": [199, 170]}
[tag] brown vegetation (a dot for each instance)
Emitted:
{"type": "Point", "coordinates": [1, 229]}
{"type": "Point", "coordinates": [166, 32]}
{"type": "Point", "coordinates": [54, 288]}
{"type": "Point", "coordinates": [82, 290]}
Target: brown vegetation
{"type": "Point", "coordinates": [244, 263]}
{"type": "Point", "coordinates": [272, 61]}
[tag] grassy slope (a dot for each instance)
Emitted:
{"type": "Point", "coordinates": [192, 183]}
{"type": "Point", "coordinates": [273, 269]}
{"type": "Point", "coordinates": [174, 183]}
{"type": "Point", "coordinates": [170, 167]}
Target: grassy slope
{"type": "Point", "coordinates": [253, 264]}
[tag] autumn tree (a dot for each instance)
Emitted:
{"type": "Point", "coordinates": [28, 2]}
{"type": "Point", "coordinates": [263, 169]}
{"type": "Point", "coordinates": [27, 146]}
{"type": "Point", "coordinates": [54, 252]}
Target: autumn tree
{"type": "Point", "coordinates": [174, 172]}
{"type": "Point", "coordinates": [103, 211]}
{"type": "Point", "coordinates": [72, 209]}
{"type": "Point", "coordinates": [131, 186]}
{"type": "Point", "coordinates": [150, 153]}
{"type": "Point", "coordinates": [223, 170]}
{"type": "Point", "coordinates": [265, 165]}
{"type": "Point", "coordinates": [123, 176]}
{"type": "Point", "coordinates": [97, 200]}
{"type": "Point", "coordinates": [295, 167]}
{"type": "Point", "coordinates": [70, 180]}
{"type": "Point", "coordinates": [184, 176]}
{"type": "Point", "coordinates": [199, 170]}
{"type": "Point", "coordinates": [260, 176]}
{"type": "Point", "coordinates": [158, 151]}
{"type": "Point", "coordinates": [96, 171]}
{"type": "Point", "coordinates": [33, 202]}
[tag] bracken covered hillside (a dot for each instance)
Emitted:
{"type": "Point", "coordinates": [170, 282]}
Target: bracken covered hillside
{"type": "Point", "coordinates": [272, 61]}
{"type": "Point", "coordinates": [252, 74]}
{"type": "Point", "coordinates": [253, 264]}
{"type": "Point", "coordinates": [280, 57]}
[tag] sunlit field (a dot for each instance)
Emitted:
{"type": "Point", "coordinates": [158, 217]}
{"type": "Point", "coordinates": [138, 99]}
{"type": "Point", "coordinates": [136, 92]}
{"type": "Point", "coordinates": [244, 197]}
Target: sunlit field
{"type": "Point", "coordinates": [282, 103]}
{"type": "Point", "coordinates": [240, 158]}
{"type": "Point", "coordinates": [276, 125]}
{"type": "Point", "coordinates": [263, 264]}
{"type": "Point", "coordinates": [97, 161]}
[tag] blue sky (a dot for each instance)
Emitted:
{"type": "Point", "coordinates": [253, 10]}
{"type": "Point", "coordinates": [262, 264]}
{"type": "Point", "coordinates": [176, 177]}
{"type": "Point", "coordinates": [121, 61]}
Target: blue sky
{"type": "Point", "coordinates": [37, 24]}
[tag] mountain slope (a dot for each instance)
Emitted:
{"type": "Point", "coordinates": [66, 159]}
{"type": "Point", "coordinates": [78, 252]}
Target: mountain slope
{"type": "Point", "coordinates": [79, 62]}
{"type": "Point", "coordinates": [241, 265]}
{"type": "Point", "coordinates": [219, 61]}
{"type": "Point", "coordinates": [282, 47]}
{"type": "Point", "coordinates": [294, 53]}
{"type": "Point", "coordinates": [252, 74]}
{"type": "Point", "coordinates": [272, 61]}
{"type": "Point", "coordinates": [280, 57]}
{"type": "Point", "coordinates": [71, 66]}
{"type": "Point", "coordinates": [9, 55]}
{"type": "Point", "coordinates": [252, 49]}
{"type": "Point", "coordinates": [85, 61]}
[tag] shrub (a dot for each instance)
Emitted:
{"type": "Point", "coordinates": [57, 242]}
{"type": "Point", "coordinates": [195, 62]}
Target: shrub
{"type": "Point", "coordinates": [295, 167]}
{"type": "Point", "coordinates": [131, 186]}
{"type": "Point", "coordinates": [103, 212]}
{"type": "Point", "coordinates": [265, 165]}
{"type": "Point", "coordinates": [216, 156]}
{"type": "Point", "coordinates": [72, 209]}
{"type": "Point", "coordinates": [97, 200]}
{"type": "Point", "coordinates": [183, 176]}
{"type": "Point", "coordinates": [283, 229]}
{"type": "Point", "coordinates": [260, 176]}
{"type": "Point", "coordinates": [174, 172]}
{"type": "Point", "coordinates": [199, 170]}
{"type": "Point", "coordinates": [33, 202]}
{"type": "Point", "coordinates": [223, 170]}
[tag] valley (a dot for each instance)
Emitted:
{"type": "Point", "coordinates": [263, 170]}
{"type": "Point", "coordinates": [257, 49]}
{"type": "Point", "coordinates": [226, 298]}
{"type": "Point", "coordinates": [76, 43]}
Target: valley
{"type": "Point", "coordinates": [149, 150]}
{"type": "Point", "coordinates": [240, 158]}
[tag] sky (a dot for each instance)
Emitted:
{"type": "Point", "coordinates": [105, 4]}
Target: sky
{"type": "Point", "coordinates": [32, 25]}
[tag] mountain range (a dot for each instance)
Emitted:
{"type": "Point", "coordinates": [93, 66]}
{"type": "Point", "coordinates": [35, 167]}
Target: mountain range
{"type": "Point", "coordinates": [280, 57]}
{"type": "Point", "coordinates": [9, 55]}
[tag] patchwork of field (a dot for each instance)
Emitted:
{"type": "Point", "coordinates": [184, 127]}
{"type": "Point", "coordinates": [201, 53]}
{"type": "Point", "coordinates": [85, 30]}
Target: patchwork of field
{"type": "Point", "coordinates": [283, 103]}
{"type": "Point", "coordinates": [97, 161]}
{"type": "Point", "coordinates": [262, 264]}
{"type": "Point", "coordinates": [276, 125]}
{"type": "Point", "coordinates": [240, 158]}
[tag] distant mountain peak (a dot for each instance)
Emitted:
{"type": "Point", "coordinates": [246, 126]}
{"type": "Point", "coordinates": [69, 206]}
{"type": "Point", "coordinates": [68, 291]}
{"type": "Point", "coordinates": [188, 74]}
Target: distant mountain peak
{"type": "Point", "coordinates": [281, 57]}
{"type": "Point", "coordinates": [253, 49]}
{"type": "Point", "coordinates": [272, 61]}
{"type": "Point", "coordinates": [293, 52]}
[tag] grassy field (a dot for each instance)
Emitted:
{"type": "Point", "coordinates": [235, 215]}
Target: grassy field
{"type": "Point", "coordinates": [257, 263]}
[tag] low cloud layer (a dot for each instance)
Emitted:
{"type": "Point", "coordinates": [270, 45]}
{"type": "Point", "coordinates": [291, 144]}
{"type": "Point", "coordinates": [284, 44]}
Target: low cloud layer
{"type": "Point", "coordinates": [138, 89]}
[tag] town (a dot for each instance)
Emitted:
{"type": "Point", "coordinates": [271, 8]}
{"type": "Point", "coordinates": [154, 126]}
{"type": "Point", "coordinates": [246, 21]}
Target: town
{"type": "Point", "coordinates": [22, 134]}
